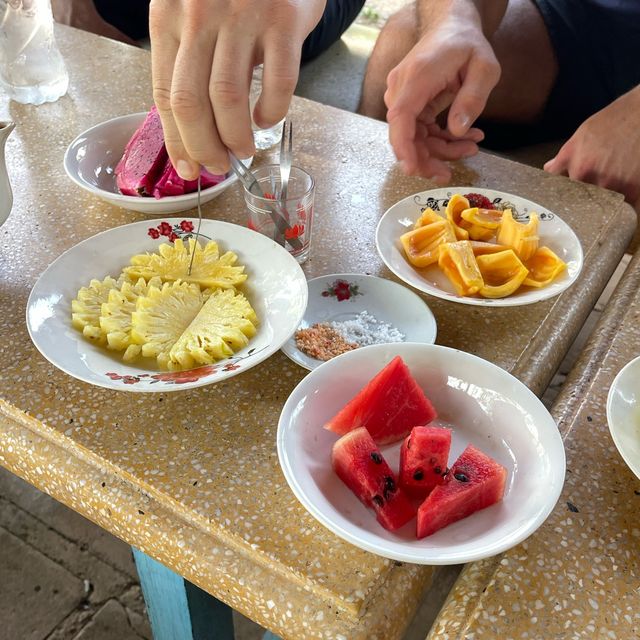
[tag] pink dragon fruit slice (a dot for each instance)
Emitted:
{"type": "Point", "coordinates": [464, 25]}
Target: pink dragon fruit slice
{"type": "Point", "coordinates": [144, 158]}
{"type": "Point", "coordinates": [171, 184]}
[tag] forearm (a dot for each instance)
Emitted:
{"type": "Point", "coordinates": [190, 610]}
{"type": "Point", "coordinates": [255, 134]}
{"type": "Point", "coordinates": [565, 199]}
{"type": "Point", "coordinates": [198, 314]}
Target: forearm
{"type": "Point", "coordinates": [486, 14]}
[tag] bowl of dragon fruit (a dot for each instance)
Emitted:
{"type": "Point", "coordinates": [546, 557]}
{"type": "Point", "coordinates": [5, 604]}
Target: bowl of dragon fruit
{"type": "Point", "coordinates": [125, 162]}
{"type": "Point", "coordinates": [421, 453]}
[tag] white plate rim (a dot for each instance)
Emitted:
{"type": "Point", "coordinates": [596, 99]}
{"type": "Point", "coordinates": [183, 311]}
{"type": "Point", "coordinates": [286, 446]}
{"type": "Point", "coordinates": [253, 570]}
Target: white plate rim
{"type": "Point", "coordinates": [160, 388]}
{"type": "Point", "coordinates": [291, 351]}
{"type": "Point", "coordinates": [446, 558]}
{"type": "Point", "coordinates": [510, 301]}
{"type": "Point", "coordinates": [614, 428]}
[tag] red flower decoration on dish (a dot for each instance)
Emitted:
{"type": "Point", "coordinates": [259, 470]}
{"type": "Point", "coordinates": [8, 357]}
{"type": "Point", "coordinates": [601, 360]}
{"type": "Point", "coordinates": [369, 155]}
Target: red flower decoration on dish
{"type": "Point", "coordinates": [154, 233]}
{"type": "Point", "coordinates": [181, 377]}
{"type": "Point", "coordinates": [186, 226]}
{"type": "Point", "coordinates": [231, 367]}
{"type": "Point", "coordinates": [165, 229]}
{"type": "Point", "coordinates": [173, 237]}
{"type": "Point", "coordinates": [342, 290]}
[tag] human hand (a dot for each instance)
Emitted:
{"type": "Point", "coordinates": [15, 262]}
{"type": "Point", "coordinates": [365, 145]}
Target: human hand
{"type": "Point", "coordinates": [452, 65]}
{"type": "Point", "coordinates": [604, 149]}
{"type": "Point", "coordinates": [203, 53]}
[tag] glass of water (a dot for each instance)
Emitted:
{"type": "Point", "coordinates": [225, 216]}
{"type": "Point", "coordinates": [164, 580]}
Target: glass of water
{"type": "Point", "coordinates": [262, 138]}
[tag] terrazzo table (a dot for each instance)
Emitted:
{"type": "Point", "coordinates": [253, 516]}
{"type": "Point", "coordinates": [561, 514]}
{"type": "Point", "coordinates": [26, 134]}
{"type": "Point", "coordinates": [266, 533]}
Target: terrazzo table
{"type": "Point", "coordinates": [191, 478]}
{"type": "Point", "coordinates": [578, 576]}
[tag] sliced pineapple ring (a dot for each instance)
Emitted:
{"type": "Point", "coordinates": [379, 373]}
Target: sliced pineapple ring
{"type": "Point", "coordinates": [162, 316]}
{"type": "Point", "coordinates": [85, 309]}
{"type": "Point", "coordinates": [115, 317]}
{"type": "Point", "coordinates": [210, 269]}
{"type": "Point", "coordinates": [223, 326]}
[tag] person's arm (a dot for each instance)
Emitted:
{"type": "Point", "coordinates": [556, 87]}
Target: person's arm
{"type": "Point", "coordinates": [452, 66]}
{"type": "Point", "coordinates": [604, 149]}
{"type": "Point", "coordinates": [203, 53]}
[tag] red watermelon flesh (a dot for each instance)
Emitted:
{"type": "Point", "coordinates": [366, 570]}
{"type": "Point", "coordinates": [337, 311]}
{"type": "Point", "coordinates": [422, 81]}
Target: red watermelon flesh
{"type": "Point", "coordinates": [359, 464]}
{"type": "Point", "coordinates": [423, 459]}
{"type": "Point", "coordinates": [389, 406]}
{"type": "Point", "coordinates": [475, 481]}
{"type": "Point", "coordinates": [143, 159]}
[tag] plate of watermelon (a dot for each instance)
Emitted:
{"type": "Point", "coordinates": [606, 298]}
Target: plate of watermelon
{"type": "Point", "coordinates": [421, 453]}
{"type": "Point", "coordinates": [124, 161]}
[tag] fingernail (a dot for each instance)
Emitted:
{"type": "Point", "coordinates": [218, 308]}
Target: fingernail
{"type": "Point", "coordinates": [184, 169]}
{"type": "Point", "coordinates": [463, 120]}
{"type": "Point", "coordinates": [216, 171]}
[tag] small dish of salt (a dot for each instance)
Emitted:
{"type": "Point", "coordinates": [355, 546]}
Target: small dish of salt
{"type": "Point", "coordinates": [349, 311]}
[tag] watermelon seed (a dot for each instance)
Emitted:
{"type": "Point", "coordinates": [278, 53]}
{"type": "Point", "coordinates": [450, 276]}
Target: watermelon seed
{"type": "Point", "coordinates": [389, 483]}
{"type": "Point", "coordinates": [378, 500]}
{"type": "Point", "coordinates": [432, 461]}
{"type": "Point", "coordinates": [376, 457]}
{"type": "Point", "coordinates": [418, 474]}
{"type": "Point", "coordinates": [437, 471]}
{"type": "Point", "coordinates": [460, 477]}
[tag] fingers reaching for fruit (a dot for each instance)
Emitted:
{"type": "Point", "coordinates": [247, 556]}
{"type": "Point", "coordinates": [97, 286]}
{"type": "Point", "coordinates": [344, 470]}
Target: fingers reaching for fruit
{"type": "Point", "coordinates": [203, 53]}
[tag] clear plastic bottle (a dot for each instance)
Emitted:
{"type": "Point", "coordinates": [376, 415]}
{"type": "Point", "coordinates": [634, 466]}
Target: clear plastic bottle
{"type": "Point", "coordinates": [32, 71]}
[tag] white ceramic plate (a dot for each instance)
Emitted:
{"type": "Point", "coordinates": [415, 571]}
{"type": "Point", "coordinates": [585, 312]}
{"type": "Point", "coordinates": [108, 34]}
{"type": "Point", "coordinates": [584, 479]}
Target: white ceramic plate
{"type": "Point", "coordinates": [623, 414]}
{"type": "Point", "coordinates": [553, 232]}
{"type": "Point", "coordinates": [276, 288]}
{"type": "Point", "coordinates": [343, 296]}
{"type": "Point", "coordinates": [485, 406]}
{"type": "Point", "coordinates": [91, 158]}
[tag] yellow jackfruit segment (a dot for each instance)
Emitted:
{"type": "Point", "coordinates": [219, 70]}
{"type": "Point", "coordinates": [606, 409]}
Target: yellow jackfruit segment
{"type": "Point", "coordinates": [421, 245]}
{"type": "Point", "coordinates": [481, 224]}
{"type": "Point", "coordinates": [544, 266]}
{"type": "Point", "coordinates": [522, 238]}
{"type": "Point", "coordinates": [482, 248]}
{"type": "Point", "coordinates": [503, 273]}
{"type": "Point", "coordinates": [456, 205]}
{"type": "Point", "coordinates": [171, 263]}
{"type": "Point", "coordinates": [427, 217]}
{"type": "Point", "coordinates": [459, 264]}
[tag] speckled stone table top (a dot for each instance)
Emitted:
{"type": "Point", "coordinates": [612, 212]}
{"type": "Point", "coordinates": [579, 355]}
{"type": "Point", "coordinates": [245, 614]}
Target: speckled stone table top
{"type": "Point", "coordinates": [192, 477]}
{"type": "Point", "coordinates": [578, 576]}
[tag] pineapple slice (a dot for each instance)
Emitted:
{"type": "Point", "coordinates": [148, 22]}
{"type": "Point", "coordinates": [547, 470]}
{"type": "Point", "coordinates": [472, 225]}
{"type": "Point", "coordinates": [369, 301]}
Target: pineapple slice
{"type": "Point", "coordinates": [210, 269]}
{"type": "Point", "coordinates": [85, 309]}
{"type": "Point", "coordinates": [115, 317]}
{"type": "Point", "coordinates": [223, 326]}
{"type": "Point", "coordinates": [161, 317]}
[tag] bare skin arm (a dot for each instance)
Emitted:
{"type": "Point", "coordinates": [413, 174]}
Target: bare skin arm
{"type": "Point", "coordinates": [451, 66]}
{"type": "Point", "coordinates": [604, 149]}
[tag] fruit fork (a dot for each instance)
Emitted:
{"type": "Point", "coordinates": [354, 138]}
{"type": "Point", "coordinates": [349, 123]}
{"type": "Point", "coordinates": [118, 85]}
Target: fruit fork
{"type": "Point", "coordinates": [286, 153]}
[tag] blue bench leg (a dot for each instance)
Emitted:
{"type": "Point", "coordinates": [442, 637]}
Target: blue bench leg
{"type": "Point", "coordinates": [177, 608]}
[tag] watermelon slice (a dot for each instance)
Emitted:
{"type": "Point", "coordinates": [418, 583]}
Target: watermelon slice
{"type": "Point", "coordinates": [423, 459]}
{"type": "Point", "coordinates": [359, 464]}
{"type": "Point", "coordinates": [389, 406]}
{"type": "Point", "coordinates": [144, 158]}
{"type": "Point", "coordinates": [475, 481]}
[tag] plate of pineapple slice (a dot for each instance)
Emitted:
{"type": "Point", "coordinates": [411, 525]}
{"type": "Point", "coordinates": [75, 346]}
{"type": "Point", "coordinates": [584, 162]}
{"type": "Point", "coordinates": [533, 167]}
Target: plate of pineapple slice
{"type": "Point", "coordinates": [121, 309]}
{"type": "Point", "coordinates": [479, 247]}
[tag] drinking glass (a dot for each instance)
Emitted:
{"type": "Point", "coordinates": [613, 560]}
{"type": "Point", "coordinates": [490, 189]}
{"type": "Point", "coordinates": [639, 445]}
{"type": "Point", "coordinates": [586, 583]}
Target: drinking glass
{"type": "Point", "coordinates": [287, 221]}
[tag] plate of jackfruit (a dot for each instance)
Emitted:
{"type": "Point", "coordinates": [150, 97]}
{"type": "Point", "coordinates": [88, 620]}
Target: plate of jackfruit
{"type": "Point", "coordinates": [479, 246]}
{"type": "Point", "coordinates": [145, 307]}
